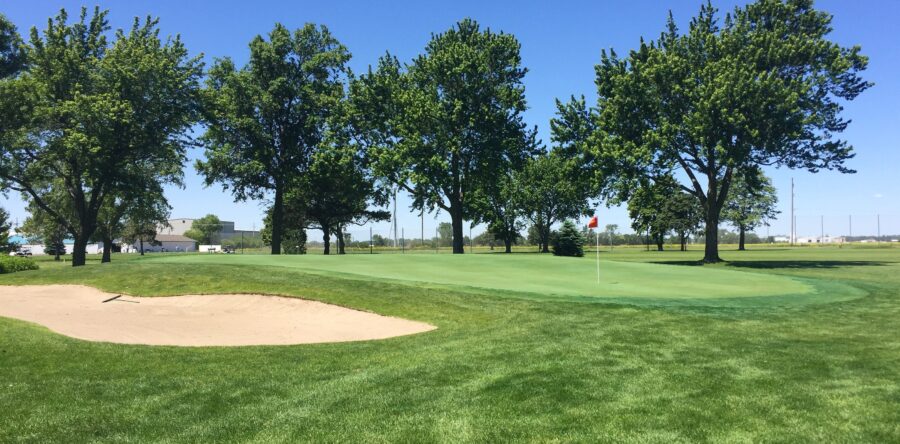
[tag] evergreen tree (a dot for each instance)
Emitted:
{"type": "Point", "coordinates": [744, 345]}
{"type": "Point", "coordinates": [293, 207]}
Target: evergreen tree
{"type": "Point", "coordinates": [568, 241]}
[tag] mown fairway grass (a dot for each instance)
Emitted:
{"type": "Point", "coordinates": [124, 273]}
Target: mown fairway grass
{"type": "Point", "coordinates": [507, 362]}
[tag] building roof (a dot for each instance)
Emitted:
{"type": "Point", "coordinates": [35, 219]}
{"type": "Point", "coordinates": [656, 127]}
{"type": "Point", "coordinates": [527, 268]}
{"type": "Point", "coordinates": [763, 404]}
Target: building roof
{"type": "Point", "coordinates": [173, 238]}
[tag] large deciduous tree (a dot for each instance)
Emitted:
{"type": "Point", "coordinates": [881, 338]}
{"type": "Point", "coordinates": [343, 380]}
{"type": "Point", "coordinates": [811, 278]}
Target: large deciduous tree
{"type": "Point", "coordinates": [265, 120]}
{"type": "Point", "coordinates": [101, 117]}
{"type": "Point", "coordinates": [751, 203]}
{"type": "Point", "coordinates": [454, 118]}
{"type": "Point", "coordinates": [764, 86]}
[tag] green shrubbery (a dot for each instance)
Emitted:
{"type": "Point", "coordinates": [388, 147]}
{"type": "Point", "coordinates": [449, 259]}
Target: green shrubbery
{"type": "Point", "coordinates": [12, 264]}
{"type": "Point", "coordinates": [568, 241]}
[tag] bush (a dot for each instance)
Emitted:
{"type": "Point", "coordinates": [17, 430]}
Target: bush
{"type": "Point", "coordinates": [12, 264]}
{"type": "Point", "coordinates": [568, 241]}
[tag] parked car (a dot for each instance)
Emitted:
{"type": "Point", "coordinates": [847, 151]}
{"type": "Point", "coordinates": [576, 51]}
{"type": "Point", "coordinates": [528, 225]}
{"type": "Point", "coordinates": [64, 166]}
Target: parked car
{"type": "Point", "coordinates": [21, 252]}
{"type": "Point", "coordinates": [228, 250]}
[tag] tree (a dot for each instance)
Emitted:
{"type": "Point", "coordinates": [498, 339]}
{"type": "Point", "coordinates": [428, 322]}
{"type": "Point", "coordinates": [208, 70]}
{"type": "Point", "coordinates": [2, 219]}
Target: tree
{"type": "Point", "coordinates": [5, 226]}
{"type": "Point", "coordinates": [685, 216]}
{"type": "Point", "coordinates": [502, 209]}
{"type": "Point", "coordinates": [205, 230]}
{"type": "Point", "coordinates": [338, 191]}
{"type": "Point", "coordinates": [143, 218]}
{"type": "Point", "coordinates": [445, 234]}
{"type": "Point", "coordinates": [293, 237]}
{"type": "Point", "coordinates": [750, 204]}
{"type": "Point", "coordinates": [548, 193]}
{"type": "Point", "coordinates": [454, 119]}
{"type": "Point", "coordinates": [12, 54]}
{"type": "Point", "coordinates": [98, 113]}
{"type": "Point", "coordinates": [265, 120]}
{"type": "Point", "coordinates": [647, 210]}
{"type": "Point", "coordinates": [761, 88]}
{"type": "Point", "coordinates": [610, 231]}
{"type": "Point", "coordinates": [42, 228]}
{"type": "Point", "coordinates": [569, 241]}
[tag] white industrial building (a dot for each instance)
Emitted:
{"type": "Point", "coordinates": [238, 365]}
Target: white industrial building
{"type": "Point", "coordinates": [182, 225]}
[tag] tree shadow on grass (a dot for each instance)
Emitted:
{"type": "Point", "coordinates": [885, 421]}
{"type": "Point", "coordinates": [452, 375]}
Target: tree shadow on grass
{"type": "Point", "coordinates": [783, 264]}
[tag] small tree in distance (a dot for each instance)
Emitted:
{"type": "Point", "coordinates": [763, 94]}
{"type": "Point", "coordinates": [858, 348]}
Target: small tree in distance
{"type": "Point", "coordinates": [205, 230]}
{"type": "Point", "coordinates": [751, 204]}
{"type": "Point", "coordinates": [569, 241]}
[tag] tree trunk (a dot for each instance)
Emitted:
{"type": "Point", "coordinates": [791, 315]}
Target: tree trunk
{"type": "Point", "coordinates": [107, 250]}
{"type": "Point", "coordinates": [741, 243]}
{"type": "Point", "coordinates": [340, 239]}
{"type": "Point", "coordinates": [79, 253]}
{"type": "Point", "coordinates": [545, 239]}
{"type": "Point", "coordinates": [326, 239]}
{"type": "Point", "coordinates": [683, 242]}
{"type": "Point", "coordinates": [711, 254]}
{"type": "Point", "coordinates": [277, 219]}
{"type": "Point", "coordinates": [660, 239]}
{"type": "Point", "coordinates": [142, 245]}
{"type": "Point", "coordinates": [508, 243]}
{"type": "Point", "coordinates": [456, 219]}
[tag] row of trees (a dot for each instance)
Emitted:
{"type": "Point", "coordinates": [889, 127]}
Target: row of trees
{"type": "Point", "coordinates": [91, 128]}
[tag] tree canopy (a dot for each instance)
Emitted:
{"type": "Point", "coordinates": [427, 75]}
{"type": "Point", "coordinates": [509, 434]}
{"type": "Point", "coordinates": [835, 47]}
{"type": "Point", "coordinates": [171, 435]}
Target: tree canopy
{"type": "Point", "coordinates": [763, 87]}
{"type": "Point", "coordinates": [205, 230]}
{"type": "Point", "coordinates": [750, 204]}
{"type": "Point", "coordinates": [265, 120]}
{"type": "Point", "coordinates": [450, 120]}
{"type": "Point", "coordinates": [101, 116]}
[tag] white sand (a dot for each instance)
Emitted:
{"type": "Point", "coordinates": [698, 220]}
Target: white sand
{"type": "Point", "coordinates": [195, 320]}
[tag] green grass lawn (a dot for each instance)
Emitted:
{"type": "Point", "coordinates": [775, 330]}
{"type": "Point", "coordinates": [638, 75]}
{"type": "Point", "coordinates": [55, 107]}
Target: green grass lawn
{"type": "Point", "coordinates": [789, 345]}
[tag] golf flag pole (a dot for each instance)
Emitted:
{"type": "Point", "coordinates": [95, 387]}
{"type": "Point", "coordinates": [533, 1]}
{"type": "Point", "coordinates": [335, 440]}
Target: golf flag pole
{"type": "Point", "coordinates": [593, 224]}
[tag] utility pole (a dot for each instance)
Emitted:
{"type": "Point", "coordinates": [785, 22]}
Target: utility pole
{"type": "Point", "coordinates": [402, 236]}
{"type": "Point", "coordinates": [371, 245]}
{"type": "Point", "coordinates": [878, 218]}
{"type": "Point", "coordinates": [850, 219]}
{"type": "Point", "coordinates": [395, 218]}
{"type": "Point", "coordinates": [422, 215]}
{"type": "Point", "coordinates": [471, 240]}
{"type": "Point", "coordinates": [793, 219]}
{"type": "Point", "coordinates": [822, 236]}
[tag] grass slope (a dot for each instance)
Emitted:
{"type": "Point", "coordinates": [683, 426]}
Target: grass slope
{"type": "Point", "coordinates": [541, 275]}
{"type": "Point", "coordinates": [497, 369]}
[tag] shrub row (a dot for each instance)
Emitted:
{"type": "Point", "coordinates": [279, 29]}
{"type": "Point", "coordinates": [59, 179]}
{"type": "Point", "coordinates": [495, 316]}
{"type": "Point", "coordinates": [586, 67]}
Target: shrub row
{"type": "Point", "coordinates": [11, 264]}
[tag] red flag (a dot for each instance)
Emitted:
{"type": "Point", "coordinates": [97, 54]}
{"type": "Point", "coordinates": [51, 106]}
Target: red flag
{"type": "Point", "coordinates": [593, 222]}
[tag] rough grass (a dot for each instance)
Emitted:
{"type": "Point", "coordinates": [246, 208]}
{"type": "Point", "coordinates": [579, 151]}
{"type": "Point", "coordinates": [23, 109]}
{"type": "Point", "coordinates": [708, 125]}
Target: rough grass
{"type": "Point", "coordinates": [499, 368]}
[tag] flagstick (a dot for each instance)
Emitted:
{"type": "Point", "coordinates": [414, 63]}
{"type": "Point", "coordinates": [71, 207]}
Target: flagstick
{"type": "Point", "coordinates": [598, 257]}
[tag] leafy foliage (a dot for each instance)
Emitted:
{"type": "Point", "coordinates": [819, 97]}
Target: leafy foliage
{"type": "Point", "coordinates": [265, 120]}
{"type": "Point", "coordinates": [12, 54]}
{"type": "Point", "coordinates": [450, 120]}
{"type": "Point", "coordinates": [751, 203]}
{"type": "Point", "coordinates": [98, 118]}
{"type": "Point", "coordinates": [12, 264]}
{"type": "Point", "coordinates": [568, 241]}
{"type": "Point", "coordinates": [205, 230]}
{"type": "Point", "coordinates": [762, 87]}
{"type": "Point", "coordinates": [549, 191]}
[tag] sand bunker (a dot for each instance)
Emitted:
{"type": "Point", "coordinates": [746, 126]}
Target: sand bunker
{"type": "Point", "coordinates": [193, 320]}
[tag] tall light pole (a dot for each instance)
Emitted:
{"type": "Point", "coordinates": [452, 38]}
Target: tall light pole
{"type": "Point", "coordinates": [793, 219]}
{"type": "Point", "coordinates": [395, 218]}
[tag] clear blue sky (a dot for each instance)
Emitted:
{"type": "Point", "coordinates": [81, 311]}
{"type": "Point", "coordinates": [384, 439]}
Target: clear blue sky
{"type": "Point", "coordinates": [561, 43]}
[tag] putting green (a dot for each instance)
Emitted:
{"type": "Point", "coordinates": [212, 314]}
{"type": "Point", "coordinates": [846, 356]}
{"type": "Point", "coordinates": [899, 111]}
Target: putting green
{"type": "Point", "coordinates": [547, 276]}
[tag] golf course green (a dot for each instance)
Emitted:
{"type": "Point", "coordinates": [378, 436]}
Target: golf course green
{"type": "Point", "coordinates": [545, 276]}
{"type": "Point", "coordinates": [507, 361]}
